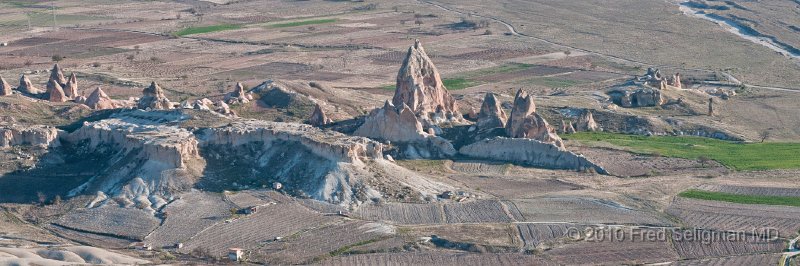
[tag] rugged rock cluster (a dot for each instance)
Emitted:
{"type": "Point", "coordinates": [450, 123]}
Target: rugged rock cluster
{"type": "Point", "coordinates": [394, 124]}
{"type": "Point", "coordinates": [491, 114]}
{"type": "Point", "coordinates": [16, 135]}
{"type": "Point", "coordinates": [154, 98]}
{"type": "Point", "coordinates": [238, 95]}
{"type": "Point", "coordinates": [318, 117]}
{"type": "Point", "coordinates": [526, 123]}
{"type": "Point", "coordinates": [420, 87]}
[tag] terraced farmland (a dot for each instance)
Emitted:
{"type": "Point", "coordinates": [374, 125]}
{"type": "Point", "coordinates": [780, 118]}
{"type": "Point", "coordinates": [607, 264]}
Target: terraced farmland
{"type": "Point", "coordinates": [580, 210]}
{"type": "Point", "coordinates": [127, 223]}
{"type": "Point", "coordinates": [758, 259]}
{"type": "Point", "coordinates": [248, 232]}
{"type": "Point", "coordinates": [425, 258]}
{"type": "Point", "coordinates": [484, 211]}
{"type": "Point", "coordinates": [399, 213]}
{"type": "Point", "coordinates": [188, 216]}
{"type": "Point", "coordinates": [724, 246]}
{"type": "Point", "coordinates": [535, 234]}
{"type": "Point", "coordinates": [735, 217]}
{"type": "Point", "coordinates": [751, 190]}
{"type": "Point", "coordinates": [320, 242]}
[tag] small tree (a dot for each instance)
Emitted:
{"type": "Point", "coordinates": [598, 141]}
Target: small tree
{"type": "Point", "coordinates": [57, 58]}
{"type": "Point", "coordinates": [703, 160]}
{"type": "Point", "coordinates": [764, 135]}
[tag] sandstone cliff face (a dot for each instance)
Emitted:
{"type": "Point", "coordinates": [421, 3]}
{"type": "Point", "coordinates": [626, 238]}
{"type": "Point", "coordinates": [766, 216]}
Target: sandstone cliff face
{"type": "Point", "coordinates": [55, 93]}
{"type": "Point", "coordinates": [98, 100]}
{"type": "Point", "coordinates": [491, 114]}
{"type": "Point", "coordinates": [318, 117]}
{"type": "Point", "coordinates": [529, 152]}
{"type": "Point", "coordinates": [58, 75]}
{"type": "Point", "coordinates": [153, 98]}
{"type": "Point", "coordinates": [19, 135]}
{"type": "Point", "coordinates": [526, 123]}
{"type": "Point", "coordinates": [420, 87]}
{"type": "Point", "coordinates": [71, 88]}
{"type": "Point", "coordinates": [25, 86]}
{"type": "Point", "coordinates": [5, 88]}
{"type": "Point", "coordinates": [168, 145]}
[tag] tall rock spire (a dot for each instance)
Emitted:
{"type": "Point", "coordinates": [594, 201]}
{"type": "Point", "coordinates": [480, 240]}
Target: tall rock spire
{"type": "Point", "coordinates": [420, 87]}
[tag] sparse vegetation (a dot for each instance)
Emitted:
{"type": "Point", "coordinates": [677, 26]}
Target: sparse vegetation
{"type": "Point", "coordinates": [303, 23]}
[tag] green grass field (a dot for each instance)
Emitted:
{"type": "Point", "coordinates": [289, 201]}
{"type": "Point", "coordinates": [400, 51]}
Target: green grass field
{"type": "Point", "coordinates": [736, 155]}
{"type": "Point", "coordinates": [458, 83]}
{"type": "Point", "coordinates": [739, 198]}
{"type": "Point", "coordinates": [207, 29]}
{"type": "Point", "coordinates": [303, 23]}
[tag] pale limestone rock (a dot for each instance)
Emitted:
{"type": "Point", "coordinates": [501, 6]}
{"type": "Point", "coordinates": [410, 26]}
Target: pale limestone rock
{"type": "Point", "coordinates": [58, 75]}
{"type": "Point", "coordinates": [26, 86]}
{"type": "Point", "coordinates": [238, 95]}
{"type": "Point", "coordinates": [71, 88]}
{"type": "Point", "coordinates": [318, 117]}
{"type": "Point", "coordinates": [5, 88]}
{"type": "Point", "coordinates": [492, 114]}
{"type": "Point", "coordinates": [19, 135]}
{"type": "Point", "coordinates": [566, 127]}
{"type": "Point", "coordinates": [153, 98]}
{"type": "Point", "coordinates": [55, 93]}
{"type": "Point", "coordinates": [526, 123]}
{"type": "Point", "coordinates": [676, 81]}
{"type": "Point", "coordinates": [529, 152]}
{"type": "Point", "coordinates": [586, 122]}
{"type": "Point", "coordinates": [98, 100]}
{"type": "Point", "coordinates": [388, 123]}
{"type": "Point", "coordinates": [223, 108]}
{"type": "Point", "coordinates": [420, 86]}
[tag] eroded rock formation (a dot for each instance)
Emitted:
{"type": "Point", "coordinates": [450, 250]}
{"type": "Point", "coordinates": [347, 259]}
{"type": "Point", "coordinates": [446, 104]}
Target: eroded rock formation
{"type": "Point", "coordinates": [55, 93]}
{"type": "Point", "coordinates": [98, 100]}
{"type": "Point", "coordinates": [526, 123]}
{"type": "Point", "coordinates": [5, 88]}
{"type": "Point", "coordinates": [318, 117]}
{"type": "Point", "coordinates": [529, 152]}
{"type": "Point", "coordinates": [71, 88]}
{"type": "Point", "coordinates": [676, 81]}
{"type": "Point", "coordinates": [25, 86]}
{"type": "Point", "coordinates": [238, 95]}
{"type": "Point", "coordinates": [637, 97]}
{"type": "Point", "coordinates": [154, 98]}
{"type": "Point", "coordinates": [401, 125]}
{"type": "Point", "coordinates": [491, 114]}
{"type": "Point", "coordinates": [566, 127]}
{"type": "Point", "coordinates": [420, 87]}
{"type": "Point", "coordinates": [58, 75]}
{"type": "Point", "coordinates": [17, 135]}
{"type": "Point", "coordinates": [586, 122]}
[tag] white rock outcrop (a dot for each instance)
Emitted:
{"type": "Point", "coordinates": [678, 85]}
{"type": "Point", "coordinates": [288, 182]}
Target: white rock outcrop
{"type": "Point", "coordinates": [529, 152]}
{"type": "Point", "coordinates": [492, 114]}
{"type": "Point", "coordinates": [99, 100]}
{"type": "Point", "coordinates": [19, 135]}
{"type": "Point", "coordinates": [238, 95]}
{"type": "Point", "coordinates": [400, 125]}
{"type": "Point", "coordinates": [25, 86]}
{"type": "Point", "coordinates": [526, 123]}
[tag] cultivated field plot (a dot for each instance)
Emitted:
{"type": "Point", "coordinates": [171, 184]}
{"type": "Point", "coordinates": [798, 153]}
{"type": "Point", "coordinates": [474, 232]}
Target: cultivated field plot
{"type": "Point", "coordinates": [513, 187]}
{"type": "Point", "coordinates": [110, 220]}
{"type": "Point", "coordinates": [535, 234]}
{"type": "Point", "coordinates": [187, 216]}
{"type": "Point", "coordinates": [248, 232]}
{"type": "Point", "coordinates": [735, 217]}
{"type": "Point", "coordinates": [425, 258]}
{"type": "Point", "coordinates": [725, 245]}
{"type": "Point", "coordinates": [758, 259]}
{"type": "Point", "coordinates": [748, 190]}
{"type": "Point", "coordinates": [579, 210]}
{"type": "Point", "coordinates": [626, 250]}
{"type": "Point", "coordinates": [322, 207]}
{"type": "Point", "coordinates": [90, 238]}
{"type": "Point", "coordinates": [319, 242]}
{"type": "Point", "coordinates": [400, 213]}
{"type": "Point", "coordinates": [484, 211]}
